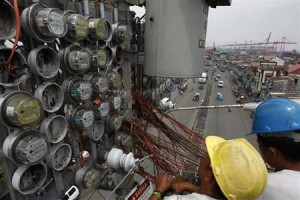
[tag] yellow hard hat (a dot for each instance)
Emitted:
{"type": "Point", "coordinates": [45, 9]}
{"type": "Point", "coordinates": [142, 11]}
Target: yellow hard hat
{"type": "Point", "coordinates": [237, 167]}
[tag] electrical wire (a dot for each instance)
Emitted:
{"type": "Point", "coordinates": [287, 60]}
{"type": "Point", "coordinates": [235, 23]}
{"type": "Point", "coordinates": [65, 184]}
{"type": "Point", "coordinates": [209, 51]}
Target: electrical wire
{"type": "Point", "coordinates": [18, 27]}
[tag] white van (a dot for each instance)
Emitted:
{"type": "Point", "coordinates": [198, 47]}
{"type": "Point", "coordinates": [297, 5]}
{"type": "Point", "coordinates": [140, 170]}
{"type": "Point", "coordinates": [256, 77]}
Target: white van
{"type": "Point", "coordinates": [220, 84]}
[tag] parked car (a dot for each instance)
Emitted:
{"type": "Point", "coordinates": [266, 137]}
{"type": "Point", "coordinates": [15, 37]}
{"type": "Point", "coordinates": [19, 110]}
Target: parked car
{"type": "Point", "coordinates": [219, 96]}
{"type": "Point", "coordinates": [220, 84]}
{"type": "Point", "coordinates": [200, 87]}
{"type": "Point", "coordinates": [241, 99]}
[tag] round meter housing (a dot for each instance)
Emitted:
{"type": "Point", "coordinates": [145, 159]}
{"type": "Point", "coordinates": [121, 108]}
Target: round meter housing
{"type": "Point", "coordinates": [77, 27]}
{"type": "Point", "coordinates": [101, 109]}
{"type": "Point", "coordinates": [44, 24]}
{"type": "Point", "coordinates": [44, 62]}
{"type": "Point", "coordinates": [27, 147]}
{"type": "Point", "coordinates": [59, 157]}
{"type": "Point", "coordinates": [77, 90]}
{"type": "Point", "coordinates": [114, 80]}
{"type": "Point", "coordinates": [122, 32]}
{"type": "Point", "coordinates": [55, 128]}
{"type": "Point", "coordinates": [87, 177]}
{"type": "Point", "coordinates": [82, 118]}
{"type": "Point", "coordinates": [97, 130]}
{"type": "Point", "coordinates": [51, 95]}
{"type": "Point", "coordinates": [115, 122]}
{"type": "Point", "coordinates": [7, 21]}
{"type": "Point", "coordinates": [99, 29]}
{"type": "Point", "coordinates": [99, 83]}
{"type": "Point", "coordinates": [75, 59]}
{"type": "Point", "coordinates": [20, 108]}
{"type": "Point", "coordinates": [117, 54]}
{"type": "Point", "coordinates": [29, 179]}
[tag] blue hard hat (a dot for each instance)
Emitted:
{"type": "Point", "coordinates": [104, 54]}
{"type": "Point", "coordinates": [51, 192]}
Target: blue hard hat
{"type": "Point", "coordinates": [276, 116]}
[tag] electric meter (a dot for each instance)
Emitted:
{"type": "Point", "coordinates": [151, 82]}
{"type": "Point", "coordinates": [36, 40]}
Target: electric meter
{"type": "Point", "coordinates": [114, 80]}
{"type": "Point", "coordinates": [99, 29]}
{"type": "Point", "coordinates": [99, 58]}
{"type": "Point", "coordinates": [51, 95]}
{"type": "Point", "coordinates": [115, 100]}
{"type": "Point", "coordinates": [82, 118]}
{"type": "Point", "coordinates": [101, 109]}
{"type": "Point", "coordinates": [55, 128]}
{"type": "Point", "coordinates": [29, 179]}
{"type": "Point", "coordinates": [87, 177]}
{"type": "Point", "coordinates": [115, 122]}
{"type": "Point", "coordinates": [117, 54]}
{"type": "Point", "coordinates": [108, 58]}
{"type": "Point", "coordinates": [59, 157]}
{"type": "Point", "coordinates": [27, 147]}
{"type": "Point", "coordinates": [125, 96]}
{"type": "Point", "coordinates": [77, 90]}
{"type": "Point", "coordinates": [75, 59]}
{"type": "Point", "coordinates": [7, 21]}
{"type": "Point", "coordinates": [123, 141]}
{"type": "Point", "coordinates": [127, 114]}
{"type": "Point", "coordinates": [44, 62]}
{"type": "Point", "coordinates": [99, 83]}
{"type": "Point", "coordinates": [20, 108]}
{"type": "Point", "coordinates": [77, 27]}
{"type": "Point", "coordinates": [122, 32]}
{"type": "Point", "coordinates": [97, 130]}
{"type": "Point", "coordinates": [44, 24]}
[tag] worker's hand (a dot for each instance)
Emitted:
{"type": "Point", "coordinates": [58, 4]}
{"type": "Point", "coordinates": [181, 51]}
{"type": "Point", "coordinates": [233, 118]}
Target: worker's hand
{"type": "Point", "coordinates": [179, 186]}
{"type": "Point", "coordinates": [163, 182]}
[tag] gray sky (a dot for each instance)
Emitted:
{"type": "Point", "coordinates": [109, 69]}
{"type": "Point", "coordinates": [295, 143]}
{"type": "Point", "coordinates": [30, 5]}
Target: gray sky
{"type": "Point", "coordinates": [247, 20]}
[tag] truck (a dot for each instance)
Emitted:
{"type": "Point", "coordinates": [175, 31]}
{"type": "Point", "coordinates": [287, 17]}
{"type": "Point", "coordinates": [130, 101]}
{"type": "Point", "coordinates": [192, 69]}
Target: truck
{"type": "Point", "coordinates": [203, 78]}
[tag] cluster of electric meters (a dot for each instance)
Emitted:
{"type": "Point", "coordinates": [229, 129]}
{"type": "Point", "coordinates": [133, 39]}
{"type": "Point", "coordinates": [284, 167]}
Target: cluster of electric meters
{"type": "Point", "coordinates": [62, 94]}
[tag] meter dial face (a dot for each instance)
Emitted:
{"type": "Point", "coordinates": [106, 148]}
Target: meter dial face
{"type": "Point", "coordinates": [83, 118]}
{"type": "Point", "coordinates": [102, 84]}
{"type": "Point", "coordinates": [101, 29]}
{"type": "Point", "coordinates": [115, 80]}
{"type": "Point", "coordinates": [81, 91]}
{"type": "Point", "coordinates": [115, 122]}
{"type": "Point", "coordinates": [77, 27]}
{"type": "Point", "coordinates": [79, 60]}
{"type": "Point", "coordinates": [81, 26]}
{"type": "Point", "coordinates": [57, 23]}
{"type": "Point", "coordinates": [101, 57]}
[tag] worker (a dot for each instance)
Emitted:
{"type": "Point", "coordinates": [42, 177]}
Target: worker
{"type": "Point", "coordinates": [232, 169]}
{"type": "Point", "coordinates": [277, 125]}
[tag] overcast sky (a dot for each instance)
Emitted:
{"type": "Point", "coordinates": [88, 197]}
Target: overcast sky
{"type": "Point", "coordinates": [247, 20]}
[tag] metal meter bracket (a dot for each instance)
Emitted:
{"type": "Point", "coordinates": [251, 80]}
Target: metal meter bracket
{"type": "Point", "coordinates": [77, 26]}
{"type": "Point", "coordinates": [87, 177]}
{"type": "Point", "coordinates": [19, 108]}
{"type": "Point", "coordinates": [99, 29]}
{"type": "Point", "coordinates": [29, 179]}
{"type": "Point", "coordinates": [100, 83]}
{"type": "Point", "coordinates": [55, 128]}
{"type": "Point", "coordinates": [82, 118]}
{"type": "Point", "coordinates": [59, 157]}
{"type": "Point", "coordinates": [75, 59]}
{"type": "Point", "coordinates": [44, 62]}
{"type": "Point", "coordinates": [27, 147]}
{"type": "Point", "coordinates": [51, 95]}
{"type": "Point", "coordinates": [77, 90]}
{"type": "Point", "coordinates": [44, 24]}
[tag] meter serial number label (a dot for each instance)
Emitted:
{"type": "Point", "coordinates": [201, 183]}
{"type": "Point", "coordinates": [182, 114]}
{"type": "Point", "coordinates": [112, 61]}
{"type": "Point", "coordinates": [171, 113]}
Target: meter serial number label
{"type": "Point", "coordinates": [104, 109]}
{"type": "Point", "coordinates": [88, 119]}
{"type": "Point", "coordinates": [117, 102]}
{"type": "Point", "coordinates": [103, 84]}
{"type": "Point", "coordinates": [85, 91]}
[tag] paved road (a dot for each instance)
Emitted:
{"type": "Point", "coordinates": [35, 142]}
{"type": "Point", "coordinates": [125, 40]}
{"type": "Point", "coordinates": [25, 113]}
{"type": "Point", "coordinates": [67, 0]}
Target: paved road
{"type": "Point", "coordinates": [220, 122]}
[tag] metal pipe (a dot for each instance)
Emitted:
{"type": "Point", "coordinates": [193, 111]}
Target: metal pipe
{"type": "Point", "coordinates": [116, 12]}
{"type": "Point", "coordinates": [86, 10]}
{"type": "Point", "coordinates": [102, 10]}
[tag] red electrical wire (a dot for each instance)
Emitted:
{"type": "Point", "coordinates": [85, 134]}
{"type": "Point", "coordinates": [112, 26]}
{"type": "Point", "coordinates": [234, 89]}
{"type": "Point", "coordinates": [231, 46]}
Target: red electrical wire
{"type": "Point", "coordinates": [18, 27]}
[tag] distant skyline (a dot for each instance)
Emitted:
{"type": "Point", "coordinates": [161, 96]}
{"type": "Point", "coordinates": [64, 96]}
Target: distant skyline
{"type": "Point", "coordinates": [253, 20]}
